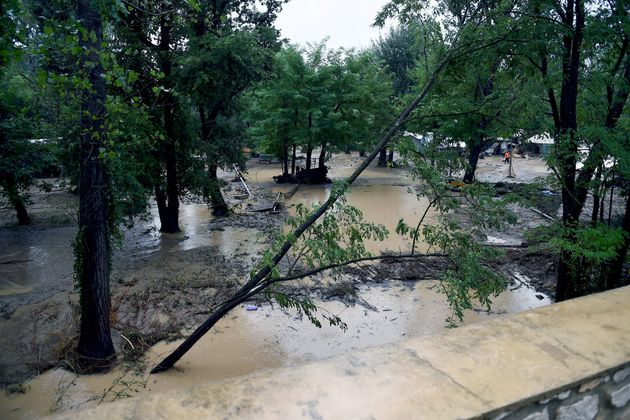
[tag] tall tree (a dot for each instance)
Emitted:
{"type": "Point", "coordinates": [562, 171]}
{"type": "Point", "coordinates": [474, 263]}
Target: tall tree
{"type": "Point", "coordinates": [95, 346]}
{"type": "Point", "coordinates": [153, 58]}
{"type": "Point", "coordinates": [232, 45]}
{"type": "Point", "coordinates": [15, 152]}
{"type": "Point", "coordinates": [331, 100]}
{"type": "Point", "coordinates": [578, 47]}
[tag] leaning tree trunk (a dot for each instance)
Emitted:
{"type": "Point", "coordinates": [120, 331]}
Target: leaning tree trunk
{"type": "Point", "coordinates": [260, 280]}
{"type": "Point", "coordinates": [95, 348]}
{"type": "Point", "coordinates": [17, 202]}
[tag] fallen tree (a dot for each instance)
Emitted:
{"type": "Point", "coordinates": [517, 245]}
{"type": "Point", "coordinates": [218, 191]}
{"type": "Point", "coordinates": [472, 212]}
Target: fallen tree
{"type": "Point", "coordinates": [267, 275]}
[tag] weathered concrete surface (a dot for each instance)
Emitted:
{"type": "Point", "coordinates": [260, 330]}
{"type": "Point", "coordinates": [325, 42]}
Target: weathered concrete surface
{"type": "Point", "coordinates": [462, 373]}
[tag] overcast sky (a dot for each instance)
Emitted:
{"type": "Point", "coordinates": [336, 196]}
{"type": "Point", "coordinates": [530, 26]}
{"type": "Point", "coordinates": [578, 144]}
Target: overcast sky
{"type": "Point", "coordinates": [346, 22]}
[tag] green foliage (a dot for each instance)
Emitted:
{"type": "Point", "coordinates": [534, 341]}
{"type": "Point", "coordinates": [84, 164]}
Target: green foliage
{"type": "Point", "coordinates": [590, 250]}
{"type": "Point", "coordinates": [305, 307]}
{"type": "Point", "coordinates": [336, 99]}
{"type": "Point", "coordinates": [337, 238]}
{"type": "Point", "coordinates": [468, 279]}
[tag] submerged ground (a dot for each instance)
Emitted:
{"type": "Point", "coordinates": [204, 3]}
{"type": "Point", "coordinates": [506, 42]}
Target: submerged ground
{"type": "Point", "coordinates": [162, 285]}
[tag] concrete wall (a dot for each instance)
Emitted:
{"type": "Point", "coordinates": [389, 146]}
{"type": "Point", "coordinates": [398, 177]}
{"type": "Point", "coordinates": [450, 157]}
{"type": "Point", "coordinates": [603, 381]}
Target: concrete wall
{"type": "Point", "coordinates": [567, 361]}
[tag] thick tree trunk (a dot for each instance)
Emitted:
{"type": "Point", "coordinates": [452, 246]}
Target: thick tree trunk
{"type": "Point", "coordinates": [473, 159]}
{"type": "Point", "coordinates": [170, 218]}
{"type": "Point", "coordinates": [95, 348]}
{"type": "Point", "coordinates": [285, 159]}
{"type": "Point", "coordinates": [322, 157]}
{"type": "Point", "coordinates": [382, 158]}
{"type": "Point", "coordinates": [213, 191]}
{"type": "Point", "coordinates": [569, 283]}
{"type": "Point", "coordinates": [309, 156]}
{"type": "Point", "coordinates": [390, 157]}
{"type": "Point", "coordinates": [169, 214]}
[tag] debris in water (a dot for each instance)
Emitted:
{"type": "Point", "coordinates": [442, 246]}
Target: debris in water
{"type": "Point", "coordinates": [251, 307]}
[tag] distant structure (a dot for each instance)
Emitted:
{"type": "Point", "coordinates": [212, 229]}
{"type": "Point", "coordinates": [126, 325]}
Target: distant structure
{"type": "Point", "coordinates": [541, 144]}
{"type": "Point", "coordinates": [420, 141]}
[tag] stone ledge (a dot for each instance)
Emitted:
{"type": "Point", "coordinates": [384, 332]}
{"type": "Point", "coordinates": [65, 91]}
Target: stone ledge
{"type": "Point", "coordinates": [479, 370]}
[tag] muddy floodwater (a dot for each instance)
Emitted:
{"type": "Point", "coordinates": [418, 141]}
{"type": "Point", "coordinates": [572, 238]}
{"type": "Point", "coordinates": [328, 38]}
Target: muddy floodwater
{"type": "Point", "coordinates": [247, 341]}
{"type": "Point", "coordinates": [171, 271]}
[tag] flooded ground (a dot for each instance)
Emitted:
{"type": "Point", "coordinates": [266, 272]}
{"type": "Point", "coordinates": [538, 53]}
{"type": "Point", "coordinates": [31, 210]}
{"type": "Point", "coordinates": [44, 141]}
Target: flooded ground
{"type": "Point", "coordinates": [162, 285]}
{"type": "Point", "coordinates": [372, 201]}
{"type": "Point", "coordinates": [247, 341]}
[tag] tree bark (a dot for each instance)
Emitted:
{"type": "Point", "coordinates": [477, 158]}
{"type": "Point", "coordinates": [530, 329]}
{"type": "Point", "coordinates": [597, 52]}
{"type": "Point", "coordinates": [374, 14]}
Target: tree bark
{"type": "Point", "coordinates": [473, 159]}
{"type": "Point", "coordinates": [596, 195]}
{"type": "Point", "coordinates": [569, 273]}
{"type": "Point", "coordinates": [169, 219]}
{"type": "Point", "coordinates": [382, 158]}
{"type": "Point", "coordinates": [293, 160]}
{"type": "Point", "coordinates": [17, 202]}
{"type": "Point", "coordinates": [285, 158]}
{"type": "Point", "coordinates": [309, 147]}
{"type": "Point", "coordinates": [219, 206]}
{"type": "Point", "coordinates": [95, 348]}
{"type": "Point", "coordinates": [322, 157]}
{"type": "Point", "coordinates": [309, 156]}
{"type": "Point", "coordinates": [213, 190]}
{"type": "Point", "coordinates": [615, 272]}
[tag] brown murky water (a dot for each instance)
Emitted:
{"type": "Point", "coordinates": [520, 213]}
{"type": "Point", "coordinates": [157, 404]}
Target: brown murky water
{"type": "Point", "coordinates": [380, 204]}
{"type": "Point", "coordinates": [245, 341]}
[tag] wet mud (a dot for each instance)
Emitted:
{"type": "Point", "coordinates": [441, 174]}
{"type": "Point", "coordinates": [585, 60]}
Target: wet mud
{"type": "Point", "coordinates": [247, 341]}
{"type": "Point", "coordinates": [162, 285]}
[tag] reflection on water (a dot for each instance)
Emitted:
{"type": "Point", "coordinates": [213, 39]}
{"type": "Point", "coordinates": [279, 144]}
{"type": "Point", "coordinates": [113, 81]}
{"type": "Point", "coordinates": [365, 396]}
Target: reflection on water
{"type": "Point", "coordinates": [28, 260]}
{"type": "Point", "coordinates": [196, 232]}
{"type": "Point", "coordinates": [245, 342]}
